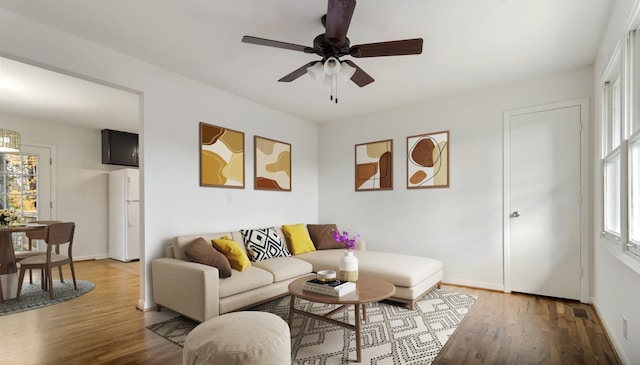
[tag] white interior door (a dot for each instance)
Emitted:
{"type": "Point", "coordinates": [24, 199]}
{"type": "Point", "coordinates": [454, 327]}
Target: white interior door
{"type": "Point", "coordinates": [543, 204]}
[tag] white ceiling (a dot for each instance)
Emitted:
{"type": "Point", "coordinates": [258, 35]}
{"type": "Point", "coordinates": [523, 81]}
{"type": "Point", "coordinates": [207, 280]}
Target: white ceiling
{"type": "Point", "coordinates": [44, 95]}
{"type": "Point", "coordinates": [468, 44]}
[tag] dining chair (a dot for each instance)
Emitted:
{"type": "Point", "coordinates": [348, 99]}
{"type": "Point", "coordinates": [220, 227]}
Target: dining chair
{"type": "Point", "coordinates": [32, 236]}
{"type": "Point", "coordinates": [56, 234]}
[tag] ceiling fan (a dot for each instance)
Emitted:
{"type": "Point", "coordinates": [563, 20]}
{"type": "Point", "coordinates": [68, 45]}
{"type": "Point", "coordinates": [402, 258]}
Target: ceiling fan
{"type": "Point", "coordinates": [334, 44]}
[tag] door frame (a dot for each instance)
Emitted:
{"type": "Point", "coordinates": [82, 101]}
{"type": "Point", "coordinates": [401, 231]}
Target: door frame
{"type": "Point", "coordinates": [585, 233]}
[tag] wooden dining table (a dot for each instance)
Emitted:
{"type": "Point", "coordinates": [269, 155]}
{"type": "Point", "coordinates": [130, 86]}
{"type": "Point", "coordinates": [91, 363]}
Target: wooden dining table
{"type": "Point", "coordinates": [8, 266]}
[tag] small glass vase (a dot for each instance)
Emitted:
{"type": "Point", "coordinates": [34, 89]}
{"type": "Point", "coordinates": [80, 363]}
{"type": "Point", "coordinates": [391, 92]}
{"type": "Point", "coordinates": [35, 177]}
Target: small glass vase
{"type": "Point", "coordinates": [348, 267]}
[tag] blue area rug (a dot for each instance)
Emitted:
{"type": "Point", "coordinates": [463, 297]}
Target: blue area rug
{"type": "Point", "coordinates": [33, 297]}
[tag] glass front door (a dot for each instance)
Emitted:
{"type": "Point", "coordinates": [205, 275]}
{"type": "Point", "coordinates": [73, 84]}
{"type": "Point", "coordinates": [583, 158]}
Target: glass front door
{"type": "Point", "coordinates": [25, 185]}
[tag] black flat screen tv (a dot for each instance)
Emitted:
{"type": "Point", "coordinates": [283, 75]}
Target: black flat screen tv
{"type": "Point", "coordinates": [119, 148]}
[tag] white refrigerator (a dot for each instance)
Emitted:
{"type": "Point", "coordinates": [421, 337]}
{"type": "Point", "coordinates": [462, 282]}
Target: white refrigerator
{"type": "Point", "coordinates": [124, 215]}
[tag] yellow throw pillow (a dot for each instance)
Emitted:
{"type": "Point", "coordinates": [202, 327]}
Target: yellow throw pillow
{"type": "Point", "coordinates": [299, 238]}
{"type": "Point", "coordinates": [232, 250]}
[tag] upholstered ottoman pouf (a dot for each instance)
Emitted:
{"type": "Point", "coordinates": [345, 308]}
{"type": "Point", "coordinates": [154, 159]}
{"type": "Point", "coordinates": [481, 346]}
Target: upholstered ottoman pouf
{"type": "Point", "coordinates": [247, 338]}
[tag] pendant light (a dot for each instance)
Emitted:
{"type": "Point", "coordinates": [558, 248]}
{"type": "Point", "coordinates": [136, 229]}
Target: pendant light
{"type": "Point", "coordinates": [9, 140]}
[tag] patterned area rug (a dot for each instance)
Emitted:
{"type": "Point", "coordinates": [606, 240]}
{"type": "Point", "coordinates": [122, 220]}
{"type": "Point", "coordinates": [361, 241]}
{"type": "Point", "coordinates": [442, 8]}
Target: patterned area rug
{"type": "Point", "coordinates": [33, 297]}
{"type": "Point", "coordinates": [392, 334]}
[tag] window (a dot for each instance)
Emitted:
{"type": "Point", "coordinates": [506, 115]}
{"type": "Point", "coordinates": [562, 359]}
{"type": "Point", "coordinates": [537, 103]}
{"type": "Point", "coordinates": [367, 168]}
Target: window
{"type": "Point", "coordinates": [634, 194]}
{"type": "Point", "coordinates": [616, 115]}
{"type": "Point", "coordinates": [633, 138]}
{"type": "Point", "coordinates": [621, 147]}
{"type": "Point", "coordinates": [19, 187]}
{"type": "Point", "coordinates": [612, 126]}
{"type": "Point", "coordinates": [634, 80]}
{"type": "Point", "coordinates": [612, 199]}
{"type": "Point", "coordinates": [19, 183]}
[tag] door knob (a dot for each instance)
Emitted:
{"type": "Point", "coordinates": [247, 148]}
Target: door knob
{"type": "Point", "coordinates": [515, 214]}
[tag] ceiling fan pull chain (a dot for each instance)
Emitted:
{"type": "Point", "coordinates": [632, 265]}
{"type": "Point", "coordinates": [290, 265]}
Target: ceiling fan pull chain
{"type": "Point", "coordinates": [336, 76]}
{"type": "Point", "coordinates": [331, 98]}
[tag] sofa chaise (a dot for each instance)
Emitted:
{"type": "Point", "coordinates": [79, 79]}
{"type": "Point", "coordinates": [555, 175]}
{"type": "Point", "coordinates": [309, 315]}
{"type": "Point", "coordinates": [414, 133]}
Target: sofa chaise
{"type": "Point", "coordinates": [199, 292]}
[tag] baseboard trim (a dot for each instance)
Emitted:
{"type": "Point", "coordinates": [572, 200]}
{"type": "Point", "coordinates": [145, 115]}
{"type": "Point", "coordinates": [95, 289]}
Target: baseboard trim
{"type": "Point", "coordinates": [90, 257]}
{"type": "Point", "coordinates": [607, 332]}
{"type": "Point", "coordinates": [474, 284]}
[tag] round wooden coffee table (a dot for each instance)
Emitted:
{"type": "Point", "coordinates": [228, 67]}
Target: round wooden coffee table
{"type": "Point", "coordinates": [369, 289]}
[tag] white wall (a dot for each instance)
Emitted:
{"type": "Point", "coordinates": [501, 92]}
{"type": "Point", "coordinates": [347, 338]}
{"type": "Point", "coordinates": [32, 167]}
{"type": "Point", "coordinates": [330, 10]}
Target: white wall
{"type": "Point", "coordinates": [616, 275]}
{"type": "Point", "coordinates": [462, 224]}
{"type": "Point", "coordinates": [81, 180]}
{"type": "Point", "coordinates": [172, 106]}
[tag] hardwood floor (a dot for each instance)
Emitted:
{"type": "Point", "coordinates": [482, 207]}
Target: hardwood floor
{"type": "Point", "coordinates": [103, 327]}
{"type": "Point", "coordinates": [100, 327]}
{"type": "Point", "coordinates": [526, 329]}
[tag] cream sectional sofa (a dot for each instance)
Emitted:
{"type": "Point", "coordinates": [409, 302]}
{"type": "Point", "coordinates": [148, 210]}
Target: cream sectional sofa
{"type": "Point", "coordinates": [196, 291]}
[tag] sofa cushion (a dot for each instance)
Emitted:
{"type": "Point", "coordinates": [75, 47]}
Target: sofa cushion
{"type": "Point", "coordinates": [202, 252]}
{"type": "Point", "coordinates": [264, 243]}
{"type": "Point", "coordinates": [234, 253]}
{"type": "Point", "coordinates": [322, 236]}
{"type": "Point", "coordinates": [240, 282]}
{"type": "Point", "coordinates": [283, 268]}
{"type": "Point", "coordinates": [401, 270]}
{"type": "Point", "coordinates": [299, 239]}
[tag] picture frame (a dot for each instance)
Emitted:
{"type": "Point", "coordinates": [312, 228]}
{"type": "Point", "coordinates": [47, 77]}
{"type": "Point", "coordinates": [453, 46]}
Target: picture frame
{"type": "Point", "coordinates": [428, 160]}
{"type": "Point", "coordinates": [374, 165]}
{"type": "Point", "coordinates": [221, 156]}
{"type": "Point", "coordinates": [272, 164]}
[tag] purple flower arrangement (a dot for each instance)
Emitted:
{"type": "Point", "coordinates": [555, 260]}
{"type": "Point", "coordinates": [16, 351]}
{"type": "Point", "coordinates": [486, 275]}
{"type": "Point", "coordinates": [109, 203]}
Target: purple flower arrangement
{"type": "Point", "coordinates": [349, 243]}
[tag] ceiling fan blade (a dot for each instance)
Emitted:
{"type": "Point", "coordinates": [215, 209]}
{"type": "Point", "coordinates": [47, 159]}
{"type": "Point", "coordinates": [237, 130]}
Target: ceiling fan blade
{"type": "Point", "coordinates": [297, 73]}
{"type": "Point", "coordinates": [392, 48]}
{"type": "Point", "coordinates": [360, 77]}
{"type": "Point", "coordinates": [272, 43]}
{"type": "Point", "coordinates": [339, 13]}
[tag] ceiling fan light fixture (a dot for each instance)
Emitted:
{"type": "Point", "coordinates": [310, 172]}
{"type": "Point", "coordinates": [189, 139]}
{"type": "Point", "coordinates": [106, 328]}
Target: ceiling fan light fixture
{"type": "Point", "coordinates": [9, 140]}
{"type": "Point", "coordinates": [316, 71]}
{"type": "Point", "coordinates": [334, 43]}
{"type": "Point", "coordinates": [327, 80]}
{"type": "Point", "coordinates": [346, 71]}
{"type": "Point", "coordinates": [332, 66]}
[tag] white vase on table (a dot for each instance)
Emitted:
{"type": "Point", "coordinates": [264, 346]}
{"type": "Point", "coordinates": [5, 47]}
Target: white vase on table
{"type": "Point", "coordinates": [348, 267]}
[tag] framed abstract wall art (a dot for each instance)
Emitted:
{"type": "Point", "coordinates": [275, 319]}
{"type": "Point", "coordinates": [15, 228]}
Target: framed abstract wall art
{"type": "Point", "coordinates": [221, 157]}
{"type": "Point", "coordinates": [374, 165]}
{"type": "Point", "coordinates": [428, 160]}
{"type": "Point", "coordinates": [272, 164]}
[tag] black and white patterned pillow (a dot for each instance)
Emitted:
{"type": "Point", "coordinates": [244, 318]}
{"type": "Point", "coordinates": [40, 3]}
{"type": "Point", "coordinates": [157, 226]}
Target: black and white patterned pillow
{"type": "Point", "coordinates": [263, 243]}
